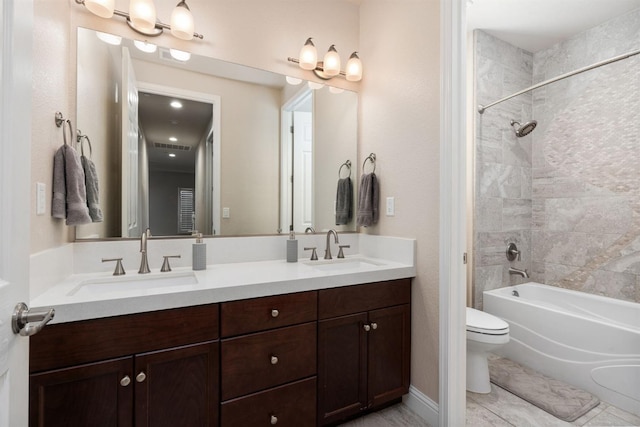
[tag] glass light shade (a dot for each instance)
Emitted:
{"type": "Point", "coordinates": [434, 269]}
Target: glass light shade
{"type": "Point", "coordinates": [182, 25]}
{"type": "Point", "coordinates": [109, 38]}
{"type": "Point", "coordinates": [308, 56]}
{"type": "Point", "coordinates": [335, 90]}
{"type": "Point", "coordinates": [142, 14]}
{"type": "Point", "coordinates": [102, 8]}
{"type": "Point", "coordinates": [315, 86]}
{"type": "Point", "coordinates": [354, 68]}
{"type": "Point", "coordinates": [331, 63]}
{"type": "Point", "coordinates": [144, 46]}
{"type": "Point", "coordinates": [180, 55]}
{"type": "Point", "coordinates": [293, 81]}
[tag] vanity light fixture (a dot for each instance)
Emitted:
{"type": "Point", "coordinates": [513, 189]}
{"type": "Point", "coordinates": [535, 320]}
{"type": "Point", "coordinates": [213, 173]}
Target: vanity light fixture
{"type": "Point", "coordinates": [142, 17]}
{"type": "Point", "coordinates": [330, 66]}
{"type": "Point", "coordinates": [145, 46]}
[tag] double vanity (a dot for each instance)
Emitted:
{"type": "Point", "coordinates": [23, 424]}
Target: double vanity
{"type": "Point", "coordinates": [259, 342]}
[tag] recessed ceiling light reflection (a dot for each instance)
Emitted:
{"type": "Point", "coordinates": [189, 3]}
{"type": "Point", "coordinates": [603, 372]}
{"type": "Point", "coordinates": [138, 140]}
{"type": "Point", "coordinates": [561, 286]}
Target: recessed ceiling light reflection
{"type": "Point", "coordinates": [172, 155]}
{"type": "Point", "coordinates": [144, 46]}
{"type": "Point", "coordinates": [176, 104]}
{"type": "Point", "coordinates": [173, 139]}
{"type": "Point", "coordinates": [109, 38]}
{"type": "Point", "coordinates": [293, 81]}
{"type": "Point", "coordinates": [333, 89]}
{"type": "Point", "coordinates": [315, 86]}
{"type": "Point", "coordinates": [180, 55]}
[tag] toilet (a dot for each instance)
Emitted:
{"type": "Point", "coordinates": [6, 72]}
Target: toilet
{"type": "Point", "coordinates": [485, 333]}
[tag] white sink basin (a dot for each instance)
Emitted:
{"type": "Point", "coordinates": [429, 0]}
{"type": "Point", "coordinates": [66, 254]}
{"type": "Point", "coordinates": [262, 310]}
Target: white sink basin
{"type": "Point", "coordinates": [343, 264]}
{"type": "Point", "coordinates": [133, 283]}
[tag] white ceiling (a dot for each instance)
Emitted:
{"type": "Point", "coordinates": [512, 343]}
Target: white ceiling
{"type": "Point", "coordinates": [538, 24]}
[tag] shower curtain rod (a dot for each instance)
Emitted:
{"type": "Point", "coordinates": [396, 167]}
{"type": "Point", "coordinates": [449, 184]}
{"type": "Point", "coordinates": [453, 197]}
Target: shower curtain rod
{"type": "Point", "coordinates": [482, 108]}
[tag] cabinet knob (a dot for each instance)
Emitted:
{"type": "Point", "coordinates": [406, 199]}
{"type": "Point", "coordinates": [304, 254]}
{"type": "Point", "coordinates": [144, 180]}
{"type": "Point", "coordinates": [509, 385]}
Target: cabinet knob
{"type": "Point", "coordinates": [125, 381]}
{"type": "Point", "coordinates": [367, 328]}
{"type": "Point", "coordinates": [374, 325]}
{"type": "Point", "coordinates": [275, 313]}
{"type": "Point", "coordinates": [274, 420]}
{"type": "Point", "coordinates": [274, 360]}
{"type": "Point", "coordinates": [141, 377]}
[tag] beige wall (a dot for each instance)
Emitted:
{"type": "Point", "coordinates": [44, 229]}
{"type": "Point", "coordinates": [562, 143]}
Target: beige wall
{"type": "Point", "coordinates": [399, 121]}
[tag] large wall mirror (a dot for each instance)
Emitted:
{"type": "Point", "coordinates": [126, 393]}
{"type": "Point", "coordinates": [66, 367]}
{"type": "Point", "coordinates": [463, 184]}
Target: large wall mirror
{"type": "Point", "coordinates": [207, 145]}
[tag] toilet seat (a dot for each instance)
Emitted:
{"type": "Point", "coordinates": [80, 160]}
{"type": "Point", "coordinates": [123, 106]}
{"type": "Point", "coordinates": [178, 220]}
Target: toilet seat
{"type": "Point", "coordinates": [480, 322]}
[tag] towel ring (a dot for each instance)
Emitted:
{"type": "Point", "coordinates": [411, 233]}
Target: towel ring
{"type": "Point", "coordinates": [64, 134]}
{"type": "Point", "coordinates": [348, 165]}
{"type": "Point", "coordinates": [80, 138]}
{"type": "Point", "coordinates": [372, 158]}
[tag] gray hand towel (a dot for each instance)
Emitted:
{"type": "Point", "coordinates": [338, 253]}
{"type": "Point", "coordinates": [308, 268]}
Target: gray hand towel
{"type": "Point", "coordinates": [93, 192]}
{"type": "Point", "coordinates": [368, 199]}
{"type": "Point", "coordinates": [69, 191]}
{"type": "Point", "coordinates": [344, 201]}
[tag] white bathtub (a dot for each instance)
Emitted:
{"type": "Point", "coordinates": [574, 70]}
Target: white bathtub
{"type": "Point", "coordinates": [586, 340]}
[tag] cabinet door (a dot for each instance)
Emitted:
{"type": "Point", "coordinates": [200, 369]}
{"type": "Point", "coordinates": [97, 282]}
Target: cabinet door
{"type": "Point", "coordinates": [97, 394]}
{"type": "Point", "coordinates": [389, 354]}
{"type": "Point", "coordinates": [342, 367]}
{"type": "Point", "coordinates": [177, 387]}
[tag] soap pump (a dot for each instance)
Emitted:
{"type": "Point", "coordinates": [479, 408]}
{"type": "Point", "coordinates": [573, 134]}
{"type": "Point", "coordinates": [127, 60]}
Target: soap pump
{"type": "Point", "coordinates": [292, 246]}
{"type": "Point", "coordinates": [199, 253]}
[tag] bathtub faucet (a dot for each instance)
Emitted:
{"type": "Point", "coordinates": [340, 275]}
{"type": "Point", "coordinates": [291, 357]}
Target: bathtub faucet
{"type": "Point", "coordinates": [522, 273]}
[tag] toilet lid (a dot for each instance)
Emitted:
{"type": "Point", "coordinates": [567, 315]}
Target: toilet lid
{"type": "Point", "coordinates": [485, 323]}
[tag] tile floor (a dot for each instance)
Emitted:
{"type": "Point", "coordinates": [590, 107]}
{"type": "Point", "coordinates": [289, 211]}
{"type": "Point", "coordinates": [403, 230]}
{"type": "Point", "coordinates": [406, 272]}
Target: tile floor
{"type": "Point", "coordinates": [501, 409]}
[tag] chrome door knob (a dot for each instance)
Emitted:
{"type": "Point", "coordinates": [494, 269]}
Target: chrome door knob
{"type": "Point", "coordinates": [275, 313]}
{"type": "Point", "coordinates": [141, 377]}
{"type": "Point", "coordinates": [125, 381]}
{"type": "Point", "coordinates": [274, 360]}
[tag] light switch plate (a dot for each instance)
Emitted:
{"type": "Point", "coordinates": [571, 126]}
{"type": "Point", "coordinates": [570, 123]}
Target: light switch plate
{"type": "Point", "coordinates": [225, 213]}
{"type": "Point", "coordinates": [41, 198]}
{"type": "Point", "coordinates": [391, 206]}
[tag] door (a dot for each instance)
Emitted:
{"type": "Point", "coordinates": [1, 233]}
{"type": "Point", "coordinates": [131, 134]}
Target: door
{"type": "Point", "coordinates": [342, 367]}
{"type": "Point", "coordinates": [302, 170]}
{"type": "Point", "coordinates": [16, 23]}
{"type": "Point", "coordinates": [130, 135]}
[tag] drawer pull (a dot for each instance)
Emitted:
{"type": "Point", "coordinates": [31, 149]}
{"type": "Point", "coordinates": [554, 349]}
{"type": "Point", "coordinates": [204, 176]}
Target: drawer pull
{"type": "Point", "coordinates": [367, 328]}
{"type": "Point", "coordinates": [125, 381]}
{"type": "Point", "coordinates": [374, 325]}
{"type": "Point", "coordinates": [274, 420]}
{"type": "Point", "coordinates": [141, 377]}
{"type": "Point", "coordinates": [275, 313]}
{"type": "Point", "coordinates": [274, 360]}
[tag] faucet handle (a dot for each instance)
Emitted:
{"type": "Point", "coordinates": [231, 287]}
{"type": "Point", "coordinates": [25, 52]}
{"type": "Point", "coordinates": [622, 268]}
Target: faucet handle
{"type": "Point", "coordinates": [340, 252]}
{"type": "Point", "coordinates": [119, 271]}
{"type": "Point", "coordinates": [513, 252]}
{"type": "Point", "coordinates": [314, 254]}
{"type": "Point", "coordinates": [165, 264]}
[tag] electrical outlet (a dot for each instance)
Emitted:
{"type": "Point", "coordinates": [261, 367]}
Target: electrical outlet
{"type": "Point", "coordinates": [391, 206]}
{"type": "Point", "coordinates": [41, 198]}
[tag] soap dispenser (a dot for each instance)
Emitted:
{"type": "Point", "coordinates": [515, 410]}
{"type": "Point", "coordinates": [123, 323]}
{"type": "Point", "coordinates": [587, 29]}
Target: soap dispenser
{"type": "Point", "coordinates": [199, 253]}
{"type": "Point", "coordinates": [292, 247]}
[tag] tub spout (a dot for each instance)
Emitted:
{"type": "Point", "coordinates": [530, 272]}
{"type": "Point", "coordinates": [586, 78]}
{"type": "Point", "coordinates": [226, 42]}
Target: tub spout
{"type": "Point", "coordinates": [522, 273]}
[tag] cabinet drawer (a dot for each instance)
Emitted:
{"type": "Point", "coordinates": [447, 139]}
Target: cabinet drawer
{"type": "Point", "coordinates": [292, 405]}
{"type": "Point", "coordinates": [260, 314]}
{"type": "Point", "coordinates": [267, 359]}
{"type": "Point", "coordinates": [75, 343]}
{"type": "Point", "coordinates": [354, 299]}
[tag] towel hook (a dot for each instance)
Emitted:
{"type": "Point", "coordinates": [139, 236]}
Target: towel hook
{"type": "Point", "coordinates": [59, 119]}
{"type": "Point", "coordinates": [372, 158]}
{"type": "Point", "coordinates": [64, 134]}
{"type": "Point", "coordinates": [348, 165]}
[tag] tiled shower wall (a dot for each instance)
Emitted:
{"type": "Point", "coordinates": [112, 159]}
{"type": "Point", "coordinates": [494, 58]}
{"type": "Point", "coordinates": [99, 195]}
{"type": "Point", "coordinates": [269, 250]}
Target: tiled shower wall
{"type": "Point", "coordinates": [584, 194]}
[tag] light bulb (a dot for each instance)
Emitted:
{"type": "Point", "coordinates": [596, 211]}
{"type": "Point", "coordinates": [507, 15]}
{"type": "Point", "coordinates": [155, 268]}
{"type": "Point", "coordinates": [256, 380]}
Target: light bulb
{"type": "Point", "coordinates": [109, 38]}
{"type": "Point", "coordinates": [331, 63]}
{"type": "Point", "coordinates": [142, 14]}
{"type": "Point", "coordinates": [144, 46]}
{"type": "Point", "coordinates": [354, 68]}
{"type": "Point", "coordinates": [182, 25]}
{"type": "Point", "coordinates": [293, 81]}
{"type": "Point", "coordinates": [308, 56]}
{"type": "Point", "coordinates": [102, 8]}
{"type": "Point", "coordinates": [180, 55]}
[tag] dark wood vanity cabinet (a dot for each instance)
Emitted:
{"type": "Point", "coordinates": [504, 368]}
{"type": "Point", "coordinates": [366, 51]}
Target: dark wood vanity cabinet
{"type": "Point", "coordinates": [149, 369]}
{"type": "Point", "coordinates": [364, 348]}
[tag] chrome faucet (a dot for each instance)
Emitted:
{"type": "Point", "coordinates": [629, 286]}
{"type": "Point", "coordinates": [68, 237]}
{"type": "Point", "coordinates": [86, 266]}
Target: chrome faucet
{"type": "Point", "coordinates": [144, 262]}
{"type": "Point", "coordinates": [522, 273]}
{"type": "Point", "coordinates": [327, 251]}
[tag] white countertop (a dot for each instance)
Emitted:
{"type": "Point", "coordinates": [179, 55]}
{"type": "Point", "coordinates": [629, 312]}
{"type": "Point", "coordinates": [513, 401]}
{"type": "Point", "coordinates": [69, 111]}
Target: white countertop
{"type": "Point", "coordinates": [218, 283]}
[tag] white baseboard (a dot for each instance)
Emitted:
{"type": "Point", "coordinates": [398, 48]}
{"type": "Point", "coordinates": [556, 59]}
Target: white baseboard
{"type": "Point", "coordinates": [422, 405]}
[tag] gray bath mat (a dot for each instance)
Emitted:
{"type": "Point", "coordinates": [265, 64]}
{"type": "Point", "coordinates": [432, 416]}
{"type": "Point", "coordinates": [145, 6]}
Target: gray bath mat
{"type": "Point", "coordinates": [557, 398]}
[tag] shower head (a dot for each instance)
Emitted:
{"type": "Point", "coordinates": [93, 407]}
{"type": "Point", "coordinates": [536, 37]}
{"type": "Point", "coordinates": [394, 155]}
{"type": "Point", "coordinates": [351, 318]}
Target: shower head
{"type": "Point", "coordinates": [525, 129]}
